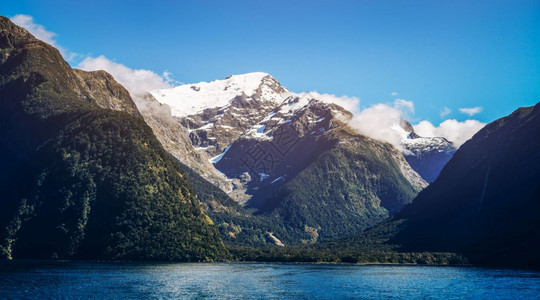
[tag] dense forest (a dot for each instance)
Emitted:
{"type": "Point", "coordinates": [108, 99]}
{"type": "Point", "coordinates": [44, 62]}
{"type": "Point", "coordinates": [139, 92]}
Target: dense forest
{"type": "Point", "coordinates": [82, 180]}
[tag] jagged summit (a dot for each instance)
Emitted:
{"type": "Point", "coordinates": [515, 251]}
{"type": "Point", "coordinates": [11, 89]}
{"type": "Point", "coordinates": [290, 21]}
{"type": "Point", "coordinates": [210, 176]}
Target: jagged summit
{"type": "Point", "coordinates": [250, 106]}
{"type": "Point", "coordinates": [417, 144]}
{"type": "Point", "coordinates": [275, 148]}
{"type": "Point", "coordinates": [189, 99]}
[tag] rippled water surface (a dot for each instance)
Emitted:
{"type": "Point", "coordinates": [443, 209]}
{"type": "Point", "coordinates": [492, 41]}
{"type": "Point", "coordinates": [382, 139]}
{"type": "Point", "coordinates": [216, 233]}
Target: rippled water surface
{"type": "Point", "coordinates": [254, 280]}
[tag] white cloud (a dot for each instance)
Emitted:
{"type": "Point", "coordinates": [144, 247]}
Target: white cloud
{"type": "Point", "coordinates": [453, 130]}
{"type": "Point", "coordinates": [39, 31]}
{"type": "Point", "coordinates": [404, 105]}
{"type": "Point", "coordinates": [376, 122]}
{"type": "Point", "coordinates": [167, 76]}
{"type": "Point", "coordinates": [351, 104]}
{"type": "Point", "coordinates": [137, 82]}
{"type": "Point", "coordinates": [445, 112]}
{"type": "Point", "coordinates": [471, 110]}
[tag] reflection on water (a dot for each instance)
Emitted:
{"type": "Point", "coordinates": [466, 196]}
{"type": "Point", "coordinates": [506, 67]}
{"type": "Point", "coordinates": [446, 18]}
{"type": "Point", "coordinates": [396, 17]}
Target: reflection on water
{"type": "Point", "coordinates": [255, 280]}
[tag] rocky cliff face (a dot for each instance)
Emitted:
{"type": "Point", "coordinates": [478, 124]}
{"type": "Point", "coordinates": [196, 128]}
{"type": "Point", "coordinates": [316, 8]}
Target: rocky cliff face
{"type": "Point", "coordinates": [82, 175]}
{"type": "Point", "coordinates": [175, 138]}
{"type": "Point", "coordinates": [216, 128]}
{"type": "Point", "coordinates": [221, 113]}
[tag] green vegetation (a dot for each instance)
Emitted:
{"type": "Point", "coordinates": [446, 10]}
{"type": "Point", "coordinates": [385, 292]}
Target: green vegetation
{"type": "Point", "coordinates": [237, 225]}
{"type": "Point", "coordinates": [85, 182]}
{"type": "Point", "coordinates": [245, 236]}
{"type": "Point", "coordinates": [348, 188]}
{"type": "Point", "coordinates": [344, 255]}
{"type": "Point", "coordinates": [369, 247]}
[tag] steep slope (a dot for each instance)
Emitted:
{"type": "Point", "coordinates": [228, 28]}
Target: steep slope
{"type": "Point", "coordinates": [175, 139]}
{"type": "Point", "coordinates": [237, 225]}
{"type": "Point", "coordinates": [79, 179]}
{"type": "Point", "coordinates": [100, 87]}
{"type": "Point", "coordinates": [486, 200]}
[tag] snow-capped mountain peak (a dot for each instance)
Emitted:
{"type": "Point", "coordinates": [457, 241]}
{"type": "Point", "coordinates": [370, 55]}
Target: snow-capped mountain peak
{"type": "Point", "coordinates": [426, 155]}
{"type": "Point", "coordinates": [190, 99]}
{"type": "Point", "coordinates": [419, 145]}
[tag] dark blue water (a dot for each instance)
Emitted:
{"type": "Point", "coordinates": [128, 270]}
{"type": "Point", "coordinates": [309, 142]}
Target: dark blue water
{"type": "Point", "coordinates": [254, 281]}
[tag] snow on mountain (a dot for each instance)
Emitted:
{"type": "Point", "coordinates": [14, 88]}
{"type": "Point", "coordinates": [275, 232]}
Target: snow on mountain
{"type": "Point", "coordinates": [252, 107]}
{"type": "Point", "coordinates": [217, 113]}
{"type": "Point", "coordinates": [418, 145]}
{"type": "Point", "coordinates": [190, 99]}
{"type": "Point", "coordinates": [302, 106]}
{"type": "Point", "coordinates": [272, 144]}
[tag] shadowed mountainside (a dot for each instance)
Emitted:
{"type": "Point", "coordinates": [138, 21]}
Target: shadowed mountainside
{"type": "Point", "coordinates": [82, 175]}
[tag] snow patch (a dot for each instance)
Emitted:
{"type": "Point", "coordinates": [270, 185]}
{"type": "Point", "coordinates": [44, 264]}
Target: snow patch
{"type": "Point", "coordinates": [257, 132]}
{"type": "Point", "coordinates": [278, 179]}
{"type": "Point", "coordinates": [268, 117]}
{"type": "Point", "coordinates": [201, 148]}
{"type": "Point", "coordinates": [216, 159]}
{"type": "Point", "coordinates": [275, 239]}
{"type": "Point", "coordinates": [263, 176]}
{"type": "Point", "coordinates": [226, 126]}
{"type": "Point", "coordinates": [204, 127]}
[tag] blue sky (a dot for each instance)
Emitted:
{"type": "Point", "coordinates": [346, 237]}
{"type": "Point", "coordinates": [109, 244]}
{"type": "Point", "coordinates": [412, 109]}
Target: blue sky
{"type": "Point", "coordinates": [454, 54]}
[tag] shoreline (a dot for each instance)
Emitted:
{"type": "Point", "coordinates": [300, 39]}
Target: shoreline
{"type": "Point", "coordinates": [128, 262]}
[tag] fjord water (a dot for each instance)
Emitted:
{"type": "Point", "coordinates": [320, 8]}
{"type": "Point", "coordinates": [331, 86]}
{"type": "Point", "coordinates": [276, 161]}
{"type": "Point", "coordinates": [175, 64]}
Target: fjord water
{"type": "Point", "coordinates": [45, 280]}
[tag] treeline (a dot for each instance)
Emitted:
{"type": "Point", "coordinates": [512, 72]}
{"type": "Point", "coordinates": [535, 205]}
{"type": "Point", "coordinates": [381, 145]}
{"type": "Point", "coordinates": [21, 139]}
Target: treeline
{"type": "Point", "coordinates": [314, 254]}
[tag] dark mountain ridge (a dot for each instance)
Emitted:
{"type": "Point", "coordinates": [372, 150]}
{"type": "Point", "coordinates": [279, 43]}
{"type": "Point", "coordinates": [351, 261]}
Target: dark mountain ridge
{"type": "Point", "coordinates": [486, 201]}
{"type": "Point", "coordinates": [82, 174]}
